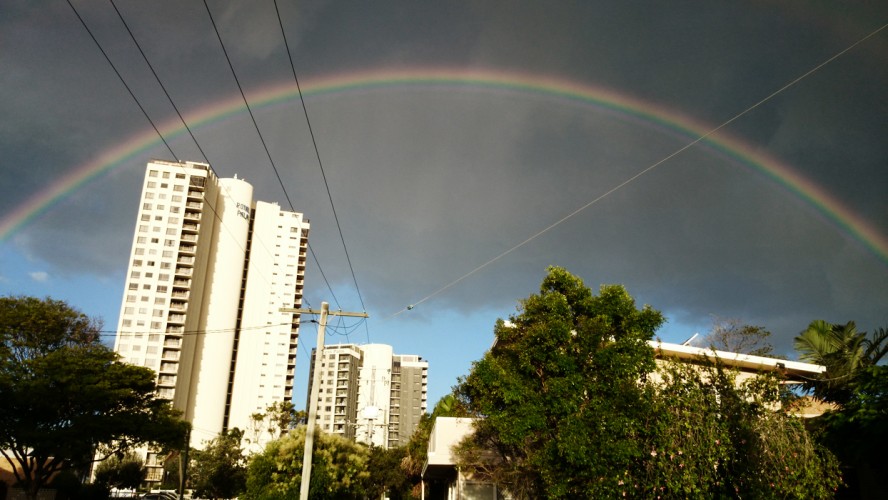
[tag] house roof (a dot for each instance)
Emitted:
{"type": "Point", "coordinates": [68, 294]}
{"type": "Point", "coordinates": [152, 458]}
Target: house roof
{"type": "Point", "coordinates": [745, 362]}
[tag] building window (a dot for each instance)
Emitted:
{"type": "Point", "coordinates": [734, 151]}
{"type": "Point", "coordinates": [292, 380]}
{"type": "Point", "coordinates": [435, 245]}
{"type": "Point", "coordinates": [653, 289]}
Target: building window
{"type": "Point", "coordinates": [143, 228]}
{"type": "Point", "coordinates": [146, 217]}
{"type": "Point", "coordinates": [146, 206]}
{"type": "Point", "coordinates": [134, 274]}
{"type": "Point", "coordinates": [140, 251]}
{"type": "Point", "coordinates": [152, 173]}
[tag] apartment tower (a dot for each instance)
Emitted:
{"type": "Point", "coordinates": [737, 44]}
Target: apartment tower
{"type": "Point", "coordinates": [209, 272]}
{"type": "Point", "coordinates": [369, 394]}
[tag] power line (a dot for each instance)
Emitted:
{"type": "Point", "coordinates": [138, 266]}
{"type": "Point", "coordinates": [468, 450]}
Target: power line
{"type": "Point", "coordinates": [259, 133]}
{"type": "Point", "coordinates": [643, 171]}
{"type": "Point", "coordinates": [318, 155]}
{"type": "Point", "coordinates": [208, 202]}
{"type": "Point", "coordinates": [128, 89]}
{"type": "Point", "coordinates": [157, 78]}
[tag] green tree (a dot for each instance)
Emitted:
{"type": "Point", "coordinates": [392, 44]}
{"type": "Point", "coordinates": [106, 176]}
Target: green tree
{"type": "Point", "coordinates": [844, 352]}
{"type": "Point", "coordinates": [560, 392]}
{"type": "Point", "coordinates": [339, 468]}
{"type": "Point", "coordinates": [569, 404]}
{"type": "Point", "coordinates": [219, 470]}
{"type": "Point", "coordinates": [278, 418]}
{"type": "Point", "coordinates": [858, 385]}
{"type": "Point", "coordinates": [126, 471]}
{"type": "Point", "coordinates": [733, 335]}
{"type": "Point", "coordinates": [386, 477]}
{"type": "Point", "coordinates": [66, 396]}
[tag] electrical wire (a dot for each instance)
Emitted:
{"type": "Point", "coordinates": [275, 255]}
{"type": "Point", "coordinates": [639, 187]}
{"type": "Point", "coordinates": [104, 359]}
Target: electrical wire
{"type": "Point", "coordinates": [128, 89]}
{"type": "Point", "coordinates": [318, 155]}
{"type": "Point", "coordinates": [258, 132]}
{"type": "Point", "coordinates": [643, 171]}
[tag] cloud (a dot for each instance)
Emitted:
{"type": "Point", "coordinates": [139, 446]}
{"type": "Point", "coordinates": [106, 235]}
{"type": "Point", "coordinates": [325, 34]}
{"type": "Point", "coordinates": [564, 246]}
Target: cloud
{"type": "Point", "coordinates": [39, 276]}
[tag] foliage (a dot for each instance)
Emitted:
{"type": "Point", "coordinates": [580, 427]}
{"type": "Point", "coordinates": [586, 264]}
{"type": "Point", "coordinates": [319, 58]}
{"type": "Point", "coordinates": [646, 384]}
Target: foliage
{"type": "Point", "coordinates": [278, 418]}
{"type": "Point", "coordinates": [219, 470]}
{"type": "Point", "coordinates": [844, 352]}
{"type": "Point", "coordinates": [569, 405]}
{"type": "Point", "coordinates": [854, 381]}
{"type": "Point", "coordinates": [126, 471]}
{"type": "Point", "coordinates": [732, 335]}
{"type": "Point", "coordinates": [339, 468]}
{"type": "Point", "coordinates": [713, 436]}
{"type": "Point", "coordinates": [559, 391]}
{"type": "Point", "coordinates": [65, 394]}
{"type": "Point", "coordinates": [387, 478]}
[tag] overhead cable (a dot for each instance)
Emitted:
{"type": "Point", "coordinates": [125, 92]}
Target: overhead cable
{"type": "Point", "coordinates": [644, 171]}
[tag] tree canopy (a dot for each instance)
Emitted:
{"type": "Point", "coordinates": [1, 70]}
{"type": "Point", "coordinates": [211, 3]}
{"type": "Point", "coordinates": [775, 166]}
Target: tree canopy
{"type": "Point", "coordinates": [569, 404]}
{"type": "Point", "coordinates": [219, 469]}
{"type": "Point", "coordinates": [65, 395]}
{"type": "Point", "coordinates": [857, 384]}
{"type": "Point", "coordinates": [339, 468]}
{"type": "Point", "coordinates": [733, 335]}
{"type": "Point", "coordinates": [127, 471]}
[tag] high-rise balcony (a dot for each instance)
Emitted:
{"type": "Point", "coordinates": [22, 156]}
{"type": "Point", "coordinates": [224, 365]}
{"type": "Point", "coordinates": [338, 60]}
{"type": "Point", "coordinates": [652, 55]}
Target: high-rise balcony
{"type": "Point", "coordinates": [184, 271]}
{"type": "Point", "coordinates": [187, 249]}
{"type": "Point", "coordinates": [190, 227]}
{"type": "Point", "coordinates": [192, 215]}
{"type": "Point", "coordinates": [188, 237]}
{"type": "Point", "coordinates": [185, 260]}
{"type": "Point", "coordinates": [176, 318]}
{"type": "Point", "coordinates": [169, 367]}
{"type": "Point", "coordinates": [181, 283]}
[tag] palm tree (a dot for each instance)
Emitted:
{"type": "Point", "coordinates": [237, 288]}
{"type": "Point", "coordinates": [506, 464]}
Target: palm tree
{"type": "Point", "coordinates": [843, 351]}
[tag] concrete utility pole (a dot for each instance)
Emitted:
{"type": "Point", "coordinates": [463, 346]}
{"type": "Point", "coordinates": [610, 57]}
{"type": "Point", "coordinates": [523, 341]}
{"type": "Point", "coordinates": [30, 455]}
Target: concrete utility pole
{"type": "Point", "coordinates": [315, 388]}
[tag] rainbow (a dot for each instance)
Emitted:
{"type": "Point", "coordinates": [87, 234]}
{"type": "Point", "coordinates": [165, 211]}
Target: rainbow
{"type": "Point", "coordinates": [553, 88]}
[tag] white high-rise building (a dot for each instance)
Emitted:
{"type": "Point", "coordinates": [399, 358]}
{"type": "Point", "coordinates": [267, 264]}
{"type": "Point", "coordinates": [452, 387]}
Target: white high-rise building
{"type": "Point", "coordinates": [369, 394]}
{"type": "Point", "coordinates": [209, 272]}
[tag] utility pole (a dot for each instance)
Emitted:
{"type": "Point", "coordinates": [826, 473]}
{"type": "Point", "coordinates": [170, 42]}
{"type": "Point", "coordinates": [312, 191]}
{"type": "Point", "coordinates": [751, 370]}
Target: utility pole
{"type": "Point", "coordinates": [315, 388]}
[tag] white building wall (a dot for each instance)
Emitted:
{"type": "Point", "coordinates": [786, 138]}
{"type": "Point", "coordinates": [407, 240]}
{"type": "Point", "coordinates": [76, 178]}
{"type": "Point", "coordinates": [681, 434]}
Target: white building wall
{"type": "Point", "coordinates": [374, 392]}
{"type": "Point", "coordinates": [267, 339]}
{"type": "Point", "coordinates": [212, 365]}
